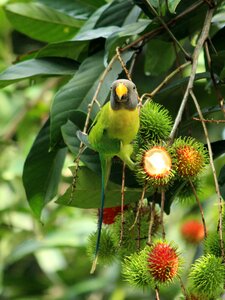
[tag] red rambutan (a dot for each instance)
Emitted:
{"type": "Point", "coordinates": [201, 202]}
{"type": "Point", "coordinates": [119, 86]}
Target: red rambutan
{"type": "Point", "coordinates": [163, 262]}
{"type": "Point", "coordinates": [192, 157]}
{"type": "Point", "coordinates": [110, 213]}
{"type": "Point", "coordinates": [193, 231]}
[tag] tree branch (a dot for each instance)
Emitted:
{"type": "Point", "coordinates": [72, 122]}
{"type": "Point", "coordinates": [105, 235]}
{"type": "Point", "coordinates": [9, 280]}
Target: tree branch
{"type": "Point", "coordinates": [203, 36]}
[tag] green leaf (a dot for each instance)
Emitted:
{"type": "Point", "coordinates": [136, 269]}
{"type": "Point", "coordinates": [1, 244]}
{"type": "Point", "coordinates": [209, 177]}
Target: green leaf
{"type": "Point", "coordinates": [87, 193]}
{"type": "Point", "coordinates": [37, 67]}
{"type": "Point", "coordinates": [159, 57]}
{"type": "Point", "coordinates": [103, 32]}
{"type": "Point", "coordinates": [74, 8]}
{"type": "Point", "coordinates": [72, 100]}
{"type": "Point", "coordinates": [70, 49]}
{"type": "Point", "coordinates": [172, 4]}
{"type": "Point", "coordinates": [221, 181]}
{"type": "Point", "coordinates": [89, 157]}
{"type": "Point", "coordinates": [41, 22]}
{"type": "Point", "coordinates": [115, 13]}
{"type": "Point", "coordinates": [42, 171]}
{"type": "Point", "coordinates": [122, 35]}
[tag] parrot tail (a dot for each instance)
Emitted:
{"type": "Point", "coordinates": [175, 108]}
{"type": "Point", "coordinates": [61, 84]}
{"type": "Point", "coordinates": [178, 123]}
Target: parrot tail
{"type": "Point", "coordinates": [106, 167]}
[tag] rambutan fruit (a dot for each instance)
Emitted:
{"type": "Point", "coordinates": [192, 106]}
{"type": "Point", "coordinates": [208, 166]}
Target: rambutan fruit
{"type": "Point", "coordinates": [110, 213]}
{"type": "Point", "coordinates": [192, 231]}
{"type": "Point", "coordinates": [191, 155]}
{"type": "Point", "coordinates": [134, 235]}
{"type": "Point", "coordinates": [107, 249]}
{"type": "Point", "coordinates": [135, 269]}
{"type": "Point", "coordinates": [155, 123]}
{"type": "Point", "coordinates": [154, 165]}
{"type": "Point", "coordinates": [163, 262]}
{"type": "Point", "coordinates": [207, 276]}
{"type": "Point", "coordinates": [212, 244]}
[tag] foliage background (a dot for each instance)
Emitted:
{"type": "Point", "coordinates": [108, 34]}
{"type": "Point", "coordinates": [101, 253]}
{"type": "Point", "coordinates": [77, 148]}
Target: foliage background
{"type": "Point", "coordinates": [46, 259]}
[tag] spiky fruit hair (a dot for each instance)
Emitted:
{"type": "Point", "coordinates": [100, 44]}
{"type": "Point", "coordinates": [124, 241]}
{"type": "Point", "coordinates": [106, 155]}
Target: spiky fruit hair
{"type": "Point", "coordinates": [207, 276]}
{"type": "Point", "coordinates": [155, 123]}
{"type": "Point", "coordinates": [107, 249]}
{"type": "Point", "coordinates": [134, 237]}
{"type": "Point", "coordinates": [151, 173]}
{"type": "Point", "coordinates": [135, 269]}
{"type": "Point", "coordinates": [192, 157]}
{"type": "Point", "coordinates": [163, 262]}
{"type": "Point", "coordinates": [212, 244]}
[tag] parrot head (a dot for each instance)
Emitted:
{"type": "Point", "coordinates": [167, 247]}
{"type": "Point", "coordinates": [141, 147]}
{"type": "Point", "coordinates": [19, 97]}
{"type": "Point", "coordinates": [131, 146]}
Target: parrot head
{"type": "Point", "coordinates": [123, 95]}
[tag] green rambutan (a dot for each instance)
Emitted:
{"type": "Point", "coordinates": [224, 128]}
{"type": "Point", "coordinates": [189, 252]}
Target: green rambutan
{"type": "Point", "coordinates": [212, 244]}
{"type": "Point", "coordinates": [154, 165]}
{"type": "Point", "coordinates": [107, 249]}
{"type": "Point", "coordinates": [186, 195]}
{"type": "Point", "coordinates": [155, 123]}
{"type": "Point", "coordinates": [135, 269]}
{"type": "Point", "coordinates": [134, 237]}
{"type": "Point", "coordinates": [207, 276]}
{"type": "Point", "coordinates": [192, 157]}
{"type": "Point", "coordinates": [163, 262]}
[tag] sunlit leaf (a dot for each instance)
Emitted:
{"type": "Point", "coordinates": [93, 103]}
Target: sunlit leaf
{"type": "Point", "coordinates": [42, 22]}
{"type": "Point", "coordinates": [37, 67]}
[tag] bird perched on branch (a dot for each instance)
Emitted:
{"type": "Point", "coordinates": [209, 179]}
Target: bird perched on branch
{"type": "Point", "coordinates": [111, 134]}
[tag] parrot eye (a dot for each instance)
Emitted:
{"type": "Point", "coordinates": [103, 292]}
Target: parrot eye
{"type": "Point", "coordinates": [134, 87]}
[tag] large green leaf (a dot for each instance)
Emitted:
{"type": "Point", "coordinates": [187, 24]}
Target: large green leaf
{"type": "Point", "coordinates": [72, 100]}
{"type": "Point", "coordinates": [87, 193]}
{"type": "Point", "coordinates": [121, 36]}
{"type": "Point", "coordinates": [74, 8]}
{"type": "Point", "coordinates": [42, 171]}
{"type": "Point", "coordinates": [89, 157]}
{"type": "Point", "coordinates": [159, 57]}
{"type": "Point", "coordinates": [69, 49]}
{"type": "Point", "coordinates": [115, 13]}
{"type": "Point", "coordinates": [41, 22]}
{"type": "Point", "coordinates": [37, 67]}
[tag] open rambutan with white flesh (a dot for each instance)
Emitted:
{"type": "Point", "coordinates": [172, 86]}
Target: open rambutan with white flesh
{"type": "Point", "coordinates": [154, 165]}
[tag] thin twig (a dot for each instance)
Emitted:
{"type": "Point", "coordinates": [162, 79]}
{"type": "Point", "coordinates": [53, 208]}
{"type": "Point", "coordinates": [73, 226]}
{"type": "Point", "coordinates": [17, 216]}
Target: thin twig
{"type": "Point", "coordinates": [123, 64]}
{"type": "Point", "coordinates": [218, 93]}
{"type": "Point", "coordinates": [162, 213]}
{"type": "Point", "coordinates": [140, 204]}
{"type": "Point", "coordinates": [200, 207]}
{"type": "Point", "coordinates": [183, 287]}
{"type": "Point", "coordinates": [157, 293]}
{"type": "Point", "coordinates": [122, 203]}
{"type": "Point", "coordinates": [220, 201]}
{"type": "Point", "coordinates": [165, 81]}
{"type": "Point", "coordinates": [203, 36]}
{"type": "Point", "coordinates": [151, 223]}
{"type": "Point", "coordinates": [209, 121]}
{"type": "Point", "coordinates": [187, 56]}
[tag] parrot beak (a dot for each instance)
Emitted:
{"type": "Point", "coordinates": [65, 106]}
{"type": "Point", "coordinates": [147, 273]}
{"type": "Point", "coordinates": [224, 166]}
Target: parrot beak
{"type": "Point", "coordinates": [121, 90]}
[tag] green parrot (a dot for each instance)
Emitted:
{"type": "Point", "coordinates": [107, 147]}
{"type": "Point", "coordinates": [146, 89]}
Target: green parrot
{"type": "Point", "coordinates": [111, 134]}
